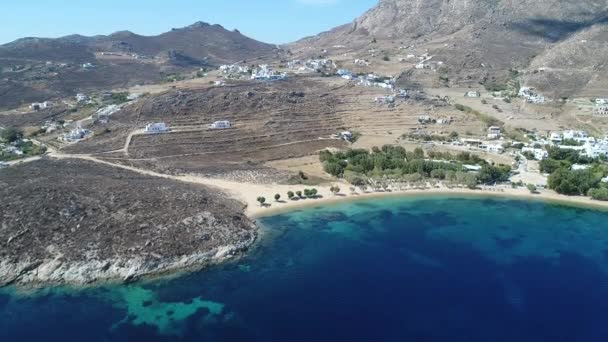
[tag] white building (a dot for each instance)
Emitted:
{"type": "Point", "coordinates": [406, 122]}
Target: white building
{"type": "Point", "coordinates": [578, 136]}
{"type": "Point", "coordinates": [224, 124]}
{"type": "Point", "coordinates": [361, 62]}
{"type": "Point", "coordinates": [344, 72]}
{"type": "Point", "coordinates": [601, 102]}
{"type": "Point", "coordinates": [556, 138]}
{"type": "Point", "coordinates": [81, 98]}
{"type": "Point", "coordinates": [539, 153]}
{"type": "Point", "coordinates": [596, 150]}
{"type": "Point", "coordinates": [41, 105]}
{"type": "Point", "coordinates": [265, 73]}
{"type": "Point", "coordinates": [577, 167]}
{"type": "Point", "coordinates": [530, 95]}
{"type": "Point", "coordinates": [387, 99]}
{"type": "Point", "coordinates": [498, 149]}
{"type": "Point", "coordinates": [445, 121]}
{"type": "Point", "coordinates": [76, 135]}
{"type": "Point", "coordinates": [494, 133]}
{"type": "Point", "coordinates": [425, 119]}
{"type": "Point", "coordinates": [347, 135]}
{"type": "Point", "coordinates": [472, 168]}
{"type": "Point", "coordinates": [601, 111]}
{"type": "Point", "coordinates": [88, 66]}
{"type": "Point", "coordinates": [155, 128]}
{"type": "Point", "coordinates": [3, 165]}
{"type": "Point", "coordinates": [472, 94]}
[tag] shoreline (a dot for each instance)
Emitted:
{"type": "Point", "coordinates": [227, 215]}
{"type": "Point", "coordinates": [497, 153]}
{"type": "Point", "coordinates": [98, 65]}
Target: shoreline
{"type": "Point", "coordinates": [257, 212]}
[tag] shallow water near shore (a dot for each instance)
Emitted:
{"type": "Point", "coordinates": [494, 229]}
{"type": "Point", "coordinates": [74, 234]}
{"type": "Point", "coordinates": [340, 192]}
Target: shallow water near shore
{"type": "Point", "coordinates": [394, 269]}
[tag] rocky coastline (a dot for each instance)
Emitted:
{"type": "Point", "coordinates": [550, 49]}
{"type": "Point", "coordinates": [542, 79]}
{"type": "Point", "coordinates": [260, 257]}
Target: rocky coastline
{"type": "Point", "coordinates": [75, 222]}
{"type": "Point", "coordinates": [57, 271]}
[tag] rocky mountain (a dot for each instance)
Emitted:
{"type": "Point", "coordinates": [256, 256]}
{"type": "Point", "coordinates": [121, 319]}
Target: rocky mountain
{"type": "Point", "coordinates": [44, 68]}
{"type": "Point", "coordinates": [480, 39]}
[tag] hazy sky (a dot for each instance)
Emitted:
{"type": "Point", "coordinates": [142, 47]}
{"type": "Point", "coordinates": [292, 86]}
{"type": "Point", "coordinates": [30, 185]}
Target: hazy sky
{"type": "Point", "coordinates": [272, 21]}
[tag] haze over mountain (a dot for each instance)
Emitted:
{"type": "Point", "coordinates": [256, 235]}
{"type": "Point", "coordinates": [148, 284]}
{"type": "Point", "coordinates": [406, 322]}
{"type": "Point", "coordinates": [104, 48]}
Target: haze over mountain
{"type": "Point", "coordinates": [39, 68]}
{"type": "Point", "coordinates": [481, 39]}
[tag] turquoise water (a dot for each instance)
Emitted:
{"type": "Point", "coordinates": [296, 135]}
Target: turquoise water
{"type": "Point", "coordinates": [425, 269]}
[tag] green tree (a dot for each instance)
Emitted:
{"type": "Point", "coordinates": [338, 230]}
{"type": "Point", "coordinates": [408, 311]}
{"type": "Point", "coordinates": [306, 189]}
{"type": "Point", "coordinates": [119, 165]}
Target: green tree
{"type": "Point", "coordinates": [599, 194]}
{"type": "Point", "coordinates": [299, 193]}
{"type": "Point", "coordinates": [290, 194]}
{"type": "Point", "coordinates": [569, 182]}
{"type": "Point", "coordinates": [333, 168]}
{"type": "Point", "coordinates": [262, 200]}
{"type": "Point", "coordinates": [277, 197]}
{"type": "Point", "coordinates": [11, 134]}
{"type": "Point", "coordinates": [532, 188]}
{"type": "Point", "coordinates": [418, 153]}
{"type": "Point", "coordinates": [334, 189]}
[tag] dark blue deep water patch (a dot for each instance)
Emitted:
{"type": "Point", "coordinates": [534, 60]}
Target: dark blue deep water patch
{"type": "Point", "coordinates": [427, 269]}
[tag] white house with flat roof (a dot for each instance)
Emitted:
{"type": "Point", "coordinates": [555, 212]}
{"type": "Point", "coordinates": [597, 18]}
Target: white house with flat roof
{"type": "Point", "coordinates": [494, 133]}
{"type": "Point", "coordinates": [156, 128]}
{"type": "Point", "coordinates": [224, 124]}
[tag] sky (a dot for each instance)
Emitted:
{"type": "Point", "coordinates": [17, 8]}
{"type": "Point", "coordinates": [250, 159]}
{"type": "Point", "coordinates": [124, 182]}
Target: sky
{"type": "Point", "coordinates": [271, 21]}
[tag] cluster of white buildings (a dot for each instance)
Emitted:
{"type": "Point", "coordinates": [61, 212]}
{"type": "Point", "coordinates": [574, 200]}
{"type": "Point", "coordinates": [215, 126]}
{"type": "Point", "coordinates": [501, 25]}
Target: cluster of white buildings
{"type": "Point", "coordinates": [311, 65]}
{"type": "Point", "coordinates": [266, 73]}
{"type": "Point", "coordinates": [12, 149]}
{"type": "Point", "coordinates": [361, 62]}
{"type": "Point", "coordinates": [82, 98]}
{"type": "Point", "coordinates": [49, 127]}
{"type": "Point", "coordinates": [531, 96]}
{"type": "Point", "coordinates": [234, 69]}
{"type": "Point", "coordinates": [601, 108]}
{"type": "Point", "coordinates": [588, 146]}
{"type": "Point", "coordinates": [345, 74]}
{"type": "Point", "coordinates": [103, 114]}
{"type": "Point", "coordinates": [372, 80]}
{"type": "Point", "coordinates": [580, 137]}
{"type": "Point", "coordinates": [75, 135]}
{"type": "Point", "coordinates": [591, 149]}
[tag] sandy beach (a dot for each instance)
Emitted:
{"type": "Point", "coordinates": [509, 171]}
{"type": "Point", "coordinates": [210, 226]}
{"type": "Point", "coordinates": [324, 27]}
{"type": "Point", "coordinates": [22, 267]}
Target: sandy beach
{"type": "Point", "coordinates": [249, 194]}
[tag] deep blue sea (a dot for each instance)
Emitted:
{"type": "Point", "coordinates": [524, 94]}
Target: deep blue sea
{"type": "Point", "coordinates": [398, 269]}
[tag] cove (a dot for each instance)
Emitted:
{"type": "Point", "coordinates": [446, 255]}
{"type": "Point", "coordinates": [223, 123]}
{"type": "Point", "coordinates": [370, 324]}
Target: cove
{"type": "Point", "coordinates": [430, 268]}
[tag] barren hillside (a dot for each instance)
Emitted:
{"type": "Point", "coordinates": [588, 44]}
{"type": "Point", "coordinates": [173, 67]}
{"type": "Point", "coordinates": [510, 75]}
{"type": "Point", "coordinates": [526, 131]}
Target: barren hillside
{"type": "Point", "coordinates": [47, 68]}
{"type": "Point", "coordinates": [480, 40]}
